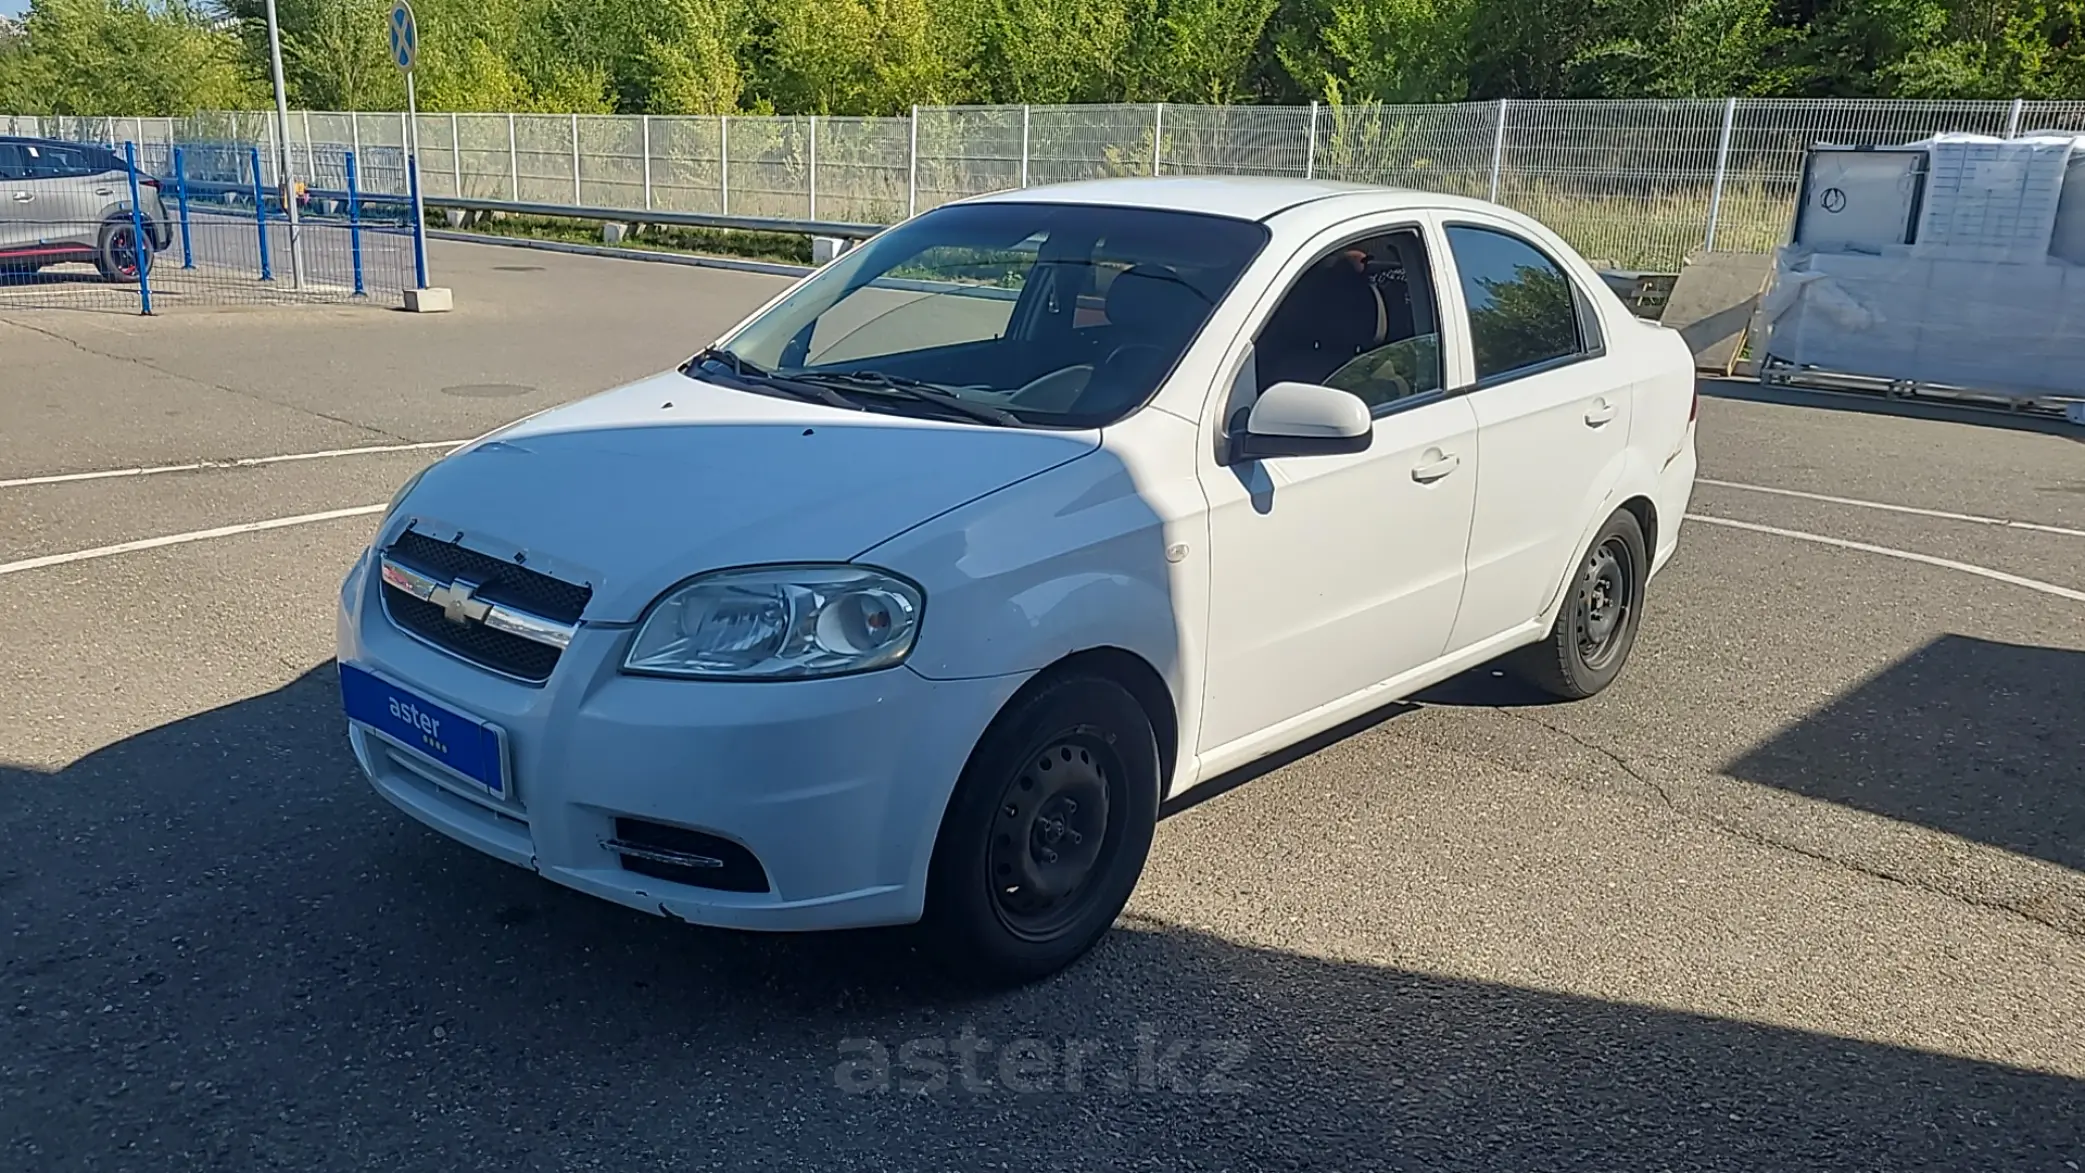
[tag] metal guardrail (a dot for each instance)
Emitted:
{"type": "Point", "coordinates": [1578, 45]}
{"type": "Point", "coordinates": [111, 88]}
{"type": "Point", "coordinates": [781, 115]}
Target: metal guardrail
{"type": "Point", "coordinates": [844, 231]}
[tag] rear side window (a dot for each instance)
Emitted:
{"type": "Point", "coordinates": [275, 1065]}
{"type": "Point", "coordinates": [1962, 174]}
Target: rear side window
{"type": "Point", "coordinates": [1523, 311]}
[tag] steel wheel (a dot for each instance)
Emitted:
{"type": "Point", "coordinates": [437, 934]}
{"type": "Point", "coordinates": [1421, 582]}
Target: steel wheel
{"type": "Point", "coordinates": [1606, 600]}
{"type": "Point", "coordinates": [1053, 835]}
{"type": "Point", "coordinates": [1596, 622]}
{"type": "Point", "coordinates": [1046, 833]}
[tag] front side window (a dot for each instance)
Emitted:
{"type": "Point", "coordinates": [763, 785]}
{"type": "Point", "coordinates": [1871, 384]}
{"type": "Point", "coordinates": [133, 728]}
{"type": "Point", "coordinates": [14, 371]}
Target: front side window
{"type": "Point", "coordinates": [1523, 312]}
{"type": "Point", "coordinates": [1041, 315]}
{"type": "Point", "coordinates": [1361, 319]}
{"type": "Point", "coordinates": [49, 162]}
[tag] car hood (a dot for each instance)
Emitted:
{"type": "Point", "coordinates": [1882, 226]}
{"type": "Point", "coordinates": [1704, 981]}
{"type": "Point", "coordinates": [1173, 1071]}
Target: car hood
{"type": "Point", "coordinates": [635, 489]}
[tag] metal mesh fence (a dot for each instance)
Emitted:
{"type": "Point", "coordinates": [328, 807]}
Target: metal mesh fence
{"type": "Point", "coordinates": [1634, 184]}
{"type": "Point", "coordinates": [194, 224]}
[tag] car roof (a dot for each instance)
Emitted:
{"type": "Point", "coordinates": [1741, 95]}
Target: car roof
{"type": "Point", "coordinates": [34, 141]}
{"type": "Point", "coordinates": [1239, 197]}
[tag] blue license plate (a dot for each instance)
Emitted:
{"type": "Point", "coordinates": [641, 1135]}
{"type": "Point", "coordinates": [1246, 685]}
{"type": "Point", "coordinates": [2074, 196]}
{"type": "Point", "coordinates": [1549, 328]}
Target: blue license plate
{"type": "Point", "coordinates": [470, 747]}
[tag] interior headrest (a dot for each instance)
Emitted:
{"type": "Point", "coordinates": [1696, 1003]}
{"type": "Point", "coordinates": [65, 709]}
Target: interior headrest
{"type": "Point", "coordinates": [1153, 298]}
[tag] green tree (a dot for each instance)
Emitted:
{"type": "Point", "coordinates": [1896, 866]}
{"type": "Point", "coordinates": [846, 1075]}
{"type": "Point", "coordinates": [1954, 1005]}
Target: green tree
{"type": "Point", "coordinates": [1021, 57]}
{"type": "Point", "coordinates": [689, 63]}
{"type": "Point", "coordinates": [1395, 50]}
{"type": "Point", "coordinates": [337, 57]}
{"type": "Point", "coordinates": [1199, 50]}
{"type": "Point", "coordinates": [851, 56]}
{"type": "Point", "coordinates": [1687, 49]}
{"type": "Point", "coordinates": [123, 57]}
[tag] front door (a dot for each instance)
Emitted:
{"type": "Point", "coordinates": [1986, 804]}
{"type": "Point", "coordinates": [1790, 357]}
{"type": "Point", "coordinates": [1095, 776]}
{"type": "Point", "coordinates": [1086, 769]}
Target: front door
{"type": "Point", "coordinates": [1331, 574]}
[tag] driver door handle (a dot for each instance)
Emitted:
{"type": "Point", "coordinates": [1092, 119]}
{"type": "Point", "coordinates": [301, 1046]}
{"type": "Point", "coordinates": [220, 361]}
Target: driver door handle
{"type": "Point", "coordinates": [23, 197]}
{"type": "Point", "coordinates": [1599, 413]}
{"type": "Point", "coordinates": [1435, 469]}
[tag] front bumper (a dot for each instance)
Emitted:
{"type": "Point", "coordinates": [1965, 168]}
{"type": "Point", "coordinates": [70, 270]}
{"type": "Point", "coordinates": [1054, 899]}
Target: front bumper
{"type": "Point", "coordinates": [837, 787]}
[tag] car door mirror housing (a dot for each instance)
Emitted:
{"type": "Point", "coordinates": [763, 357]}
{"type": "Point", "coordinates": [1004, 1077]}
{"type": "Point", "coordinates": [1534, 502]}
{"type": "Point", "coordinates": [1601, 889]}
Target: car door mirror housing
{"type": "Point", "coordinates": [1304, 419]}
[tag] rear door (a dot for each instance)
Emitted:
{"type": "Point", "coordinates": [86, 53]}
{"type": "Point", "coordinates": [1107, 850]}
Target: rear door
{"type": "Point", "coordinates": [18, 214]}
{"type": "Point", "coordinates": [1552, 420]}
{"type": "Point", "coordinates": [74, 190]}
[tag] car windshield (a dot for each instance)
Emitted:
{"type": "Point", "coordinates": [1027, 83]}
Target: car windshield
{"type": "Point", "coordinates": [1011, 314]}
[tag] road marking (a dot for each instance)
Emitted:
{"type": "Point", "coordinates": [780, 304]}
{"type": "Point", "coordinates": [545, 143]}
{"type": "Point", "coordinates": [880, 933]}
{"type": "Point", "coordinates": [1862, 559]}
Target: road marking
{"type": "Point", "coordinates": [2033, 584]}
{"type": "Point", "coordinates": [1884, 505]}
{"type": "Point", "coordinates": [242, 462]}
{"type": "Point", "coordinates": [201, 535]}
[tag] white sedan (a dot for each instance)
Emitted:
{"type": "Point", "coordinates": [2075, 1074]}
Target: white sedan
{"type": "Point", "coordinates": [911, 598]}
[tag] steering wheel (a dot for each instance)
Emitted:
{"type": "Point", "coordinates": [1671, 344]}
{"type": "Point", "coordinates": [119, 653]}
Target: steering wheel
{"type": "Point", "coordinates": [1055, 391]}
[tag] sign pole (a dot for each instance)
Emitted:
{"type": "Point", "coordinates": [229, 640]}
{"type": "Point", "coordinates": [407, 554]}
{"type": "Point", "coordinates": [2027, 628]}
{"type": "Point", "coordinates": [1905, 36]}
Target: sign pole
{"type": "Point", "coordinates": [282, 120]}
{"type": "Point", "coordinates": [405, 53]}
{"type": "Point", "coordinates": [412, 163]}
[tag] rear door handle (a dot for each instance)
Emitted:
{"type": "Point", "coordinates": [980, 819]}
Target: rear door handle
{"type": "Point", "coordinates": [1600, 413]}
{"type": "Point", "coordinates": [23, 197]}
{"type": "Point", "coordinates": [104, 191]}
{"type": "Point", "coordinates": [1435, 469]}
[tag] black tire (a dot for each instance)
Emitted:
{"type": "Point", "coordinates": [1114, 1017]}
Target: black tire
{"type": "Point", "coordinates": [1596, 627]}
{"type": "Point", "coordinates": [118, 255]}
{"type": "Point", "coordinates": [1021, 886]}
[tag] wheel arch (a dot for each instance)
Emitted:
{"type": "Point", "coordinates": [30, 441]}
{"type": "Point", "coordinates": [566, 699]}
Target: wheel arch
{"type": "Point", "coordinates": [1143, 682]}
{"type": "Point", "coordinates": [1630, 487]}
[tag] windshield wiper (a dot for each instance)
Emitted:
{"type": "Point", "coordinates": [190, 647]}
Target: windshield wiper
{"type": "Point", "coordinates": [914, 390]}
{"type": "Point", "coordinates": [718, 354]}
{"type": "Point", "coordinates": [794, 388]}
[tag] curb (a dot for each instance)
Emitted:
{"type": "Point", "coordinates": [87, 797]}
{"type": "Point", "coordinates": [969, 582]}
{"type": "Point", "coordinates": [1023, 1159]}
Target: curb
{"type": "Point", "coordinates": [770, 268]}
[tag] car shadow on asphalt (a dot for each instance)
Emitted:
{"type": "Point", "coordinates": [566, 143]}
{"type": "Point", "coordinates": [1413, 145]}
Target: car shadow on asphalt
{"type": "Point", "coordinates": [1969, 736]}
{"type": "Point", "coordinates": [221, 941]}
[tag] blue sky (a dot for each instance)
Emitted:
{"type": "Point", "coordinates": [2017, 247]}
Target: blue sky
{"type": "Point", "coordinates": [13, 7]}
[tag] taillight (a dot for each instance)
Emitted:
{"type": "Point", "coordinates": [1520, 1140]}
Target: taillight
{"type": "Point", "coordinates": [151, 183]}
{"type": "Point", "coordinates": [1694, 408]}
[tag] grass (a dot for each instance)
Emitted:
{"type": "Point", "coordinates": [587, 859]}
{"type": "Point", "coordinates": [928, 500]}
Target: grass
{"type": "Point", "coordinates": [1644, 230]}
{"type": "Point", "coordinates": [779, 247]}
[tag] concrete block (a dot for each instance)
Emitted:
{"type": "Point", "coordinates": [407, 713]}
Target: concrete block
{"type": "Point", "coordinates": [826, 249]}
{"type": "Point", "coordinates": [454, 217]}
{"type": "Point", "coordinates": [433, 300]}
{"type": "Point", "coordinates": [1713, 302]}
{"type": "Point", "coordinates": [2076, 412]}
{"type": "Point", "coordinates": [614, 233]}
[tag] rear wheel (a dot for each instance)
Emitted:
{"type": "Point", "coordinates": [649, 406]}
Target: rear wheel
{"type": "Point", "coordinates": [119, 255]}
{"type": "Point", "coordinates": [1596, 627]}
{"type": "Point", "coordinates": [1046, 834]}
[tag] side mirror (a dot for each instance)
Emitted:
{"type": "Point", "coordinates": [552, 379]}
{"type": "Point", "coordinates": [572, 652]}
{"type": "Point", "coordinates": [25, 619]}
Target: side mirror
{"type": "Point", "coordinates": [1304, 419]}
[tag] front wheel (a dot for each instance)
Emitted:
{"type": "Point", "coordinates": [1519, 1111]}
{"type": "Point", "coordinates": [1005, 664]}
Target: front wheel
{"type": "Point", "coordinates": [121, 256]}
{"type": "Point", "coordinates": [1046, 834]}
{"type": "Point", "coordinates": [1596, 627]}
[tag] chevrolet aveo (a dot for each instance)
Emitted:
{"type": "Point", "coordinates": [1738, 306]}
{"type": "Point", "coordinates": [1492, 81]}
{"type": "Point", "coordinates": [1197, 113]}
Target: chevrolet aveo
{"type": "Point", "coordinates": [911, 598]}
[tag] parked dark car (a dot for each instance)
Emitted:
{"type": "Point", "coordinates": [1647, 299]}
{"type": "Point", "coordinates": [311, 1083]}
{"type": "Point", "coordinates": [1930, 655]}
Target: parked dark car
{"type": "Point", "coordinates": [62, 202]}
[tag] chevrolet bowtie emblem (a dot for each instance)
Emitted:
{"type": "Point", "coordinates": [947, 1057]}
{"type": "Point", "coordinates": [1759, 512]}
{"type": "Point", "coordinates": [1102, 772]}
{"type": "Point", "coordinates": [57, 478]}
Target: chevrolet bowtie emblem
{"type": "Point", "coordinates": [459, 602]}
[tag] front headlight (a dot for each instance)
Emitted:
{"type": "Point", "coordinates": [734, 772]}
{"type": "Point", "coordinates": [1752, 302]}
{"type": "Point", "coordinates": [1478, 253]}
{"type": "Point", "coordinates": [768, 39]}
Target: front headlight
{"type": "Point", "coordinates": [778, 623]}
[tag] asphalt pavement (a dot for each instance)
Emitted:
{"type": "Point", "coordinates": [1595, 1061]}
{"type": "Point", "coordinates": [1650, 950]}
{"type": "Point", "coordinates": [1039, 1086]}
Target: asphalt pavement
{"type": "Point", "coordinates": [1804, 890]}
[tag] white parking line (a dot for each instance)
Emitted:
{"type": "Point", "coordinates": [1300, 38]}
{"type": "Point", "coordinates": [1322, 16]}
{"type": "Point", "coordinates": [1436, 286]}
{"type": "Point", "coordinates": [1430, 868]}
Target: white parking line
{"type": "Point", "coordinates": [2033, 584]}
{"type": "Point", "coordinates": [201, 535]}
{"type": "Point", "coordinates": [1940, 514]}
{"type": "Point", "coordinates": [242, 462]}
